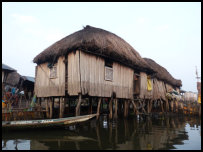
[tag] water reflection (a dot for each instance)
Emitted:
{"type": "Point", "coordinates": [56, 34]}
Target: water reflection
{"type": "Point", "coordinates": [143, 133]}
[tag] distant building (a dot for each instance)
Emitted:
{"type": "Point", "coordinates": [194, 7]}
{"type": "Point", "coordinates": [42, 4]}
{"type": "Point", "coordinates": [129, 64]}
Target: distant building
{"type": "Point", "coordinates": [5, 71]}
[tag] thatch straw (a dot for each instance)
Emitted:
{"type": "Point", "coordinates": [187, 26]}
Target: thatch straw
{"type": "Point", "coordinates": [13, 78]}
{"type": "Point", "coordinates": [162, 73]}
{"type": "Point", "coordinates": [95, 41]}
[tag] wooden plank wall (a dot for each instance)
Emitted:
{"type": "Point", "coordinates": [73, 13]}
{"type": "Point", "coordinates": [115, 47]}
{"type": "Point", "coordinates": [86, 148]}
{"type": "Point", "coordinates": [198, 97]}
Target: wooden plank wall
{"type": "Point", "coordinates": [156, 93]}
{"type": "Point", "coordinates": [144, 93]}
{"type": "Point", "coordinates": [91, 71]}
{"type": "Point", "coordinates": [168, 87]}
{"type": "Point", "coordinates": [159, 89]}
{"type": "Point", "coordinates": [44, 86]}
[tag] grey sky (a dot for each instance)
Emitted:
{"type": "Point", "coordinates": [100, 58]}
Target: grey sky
{"type": "Point", "coordinates": [169, 33]}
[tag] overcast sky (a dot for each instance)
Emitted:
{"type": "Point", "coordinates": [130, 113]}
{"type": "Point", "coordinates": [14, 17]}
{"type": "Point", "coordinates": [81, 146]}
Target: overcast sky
{"type": "Point", "coordinates": [169, 33]}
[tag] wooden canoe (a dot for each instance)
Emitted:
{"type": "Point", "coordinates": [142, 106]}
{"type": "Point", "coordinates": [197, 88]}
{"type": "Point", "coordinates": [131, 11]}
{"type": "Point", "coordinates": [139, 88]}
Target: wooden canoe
{"type": "Point", "coordinates": [23, 124]}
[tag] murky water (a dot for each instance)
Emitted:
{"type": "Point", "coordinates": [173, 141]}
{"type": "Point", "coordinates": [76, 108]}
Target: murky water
{"type": "Point", "coordinates": [143, 133]}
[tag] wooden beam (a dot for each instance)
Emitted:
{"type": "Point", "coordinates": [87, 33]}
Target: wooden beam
{"type": "Point", "coordinates": [98, 108]}
{"type": "Point", "coordinates": [77, 110]}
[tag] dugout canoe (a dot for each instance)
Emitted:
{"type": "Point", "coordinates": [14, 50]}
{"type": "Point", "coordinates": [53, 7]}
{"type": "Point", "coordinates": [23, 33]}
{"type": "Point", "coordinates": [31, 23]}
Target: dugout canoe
{"type": "Point", "coordinates": [45, 123]}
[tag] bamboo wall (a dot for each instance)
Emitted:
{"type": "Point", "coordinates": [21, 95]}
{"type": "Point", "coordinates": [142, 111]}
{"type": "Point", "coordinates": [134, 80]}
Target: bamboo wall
{"type": "Point", "coordinates": [44, 86]}
{"type": "Point", "coordinates": [144, 93]}
{"type": "Point", "coordinates": [91, 70]}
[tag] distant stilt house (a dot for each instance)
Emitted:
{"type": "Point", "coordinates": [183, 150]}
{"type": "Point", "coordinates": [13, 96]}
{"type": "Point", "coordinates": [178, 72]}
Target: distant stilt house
{"type": "Point", "coordinates": [90, 63]}
{"type": "Point", "coordinates": [5, 71]}
{"type": "Point", "coordinates": [162, 82]}
{"type": "Point", "coordinates": [28, 86]}
{"type": "Point", "coordinates": [13, 79]}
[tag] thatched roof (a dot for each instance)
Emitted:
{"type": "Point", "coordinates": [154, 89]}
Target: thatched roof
{"type": "Point", "coordinates": [95, 41]}
{"type": "Point", "coordinates": [162, 73]}
{"type": "Point", "coordinates": [13, 78]}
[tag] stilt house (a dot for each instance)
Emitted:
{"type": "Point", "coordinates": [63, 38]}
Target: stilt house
{"type": "Point", "coordinates": [90, 62]}
{"type": "Point", "coordinates": [162, 82]}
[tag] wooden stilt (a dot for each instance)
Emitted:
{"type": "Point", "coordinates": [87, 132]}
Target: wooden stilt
{"type": "Point", "coordinates": [125, 108]}
{"type": "Point", "coordinates": [102, 105]}
{"type": "Point", "coordinates": [69, 106]}
{"type": "Point", "coordinates": [61, 113]}
{"type": "Point", "coordinates": [110, 109]}
{"type": "Point", "coordinates": [167, 105]}
{"type": "Point", "coordinates": [50, 107]}
{"type": "Point", "coordinates": [135, 108]}
{"type": "Point", "coordinates": [119, 107]}
{"type": "Point", "coordinates": [162, 108]}
{"type": "Point", "coordinates": [65, 102]}
{"type": "Point", "coordinates": [98, 108]}
{"type": "Point", "coordinates": [47, 108]}
{"type": "Point", "coordinates": [171, 104]}
{"type": "Point", "coordinates": [116, 108]}
{"type": "Point", "coordinates": [148, 107]}
{"type": "Point", "coordinates": [90, 105]}
{"type": "Point", "coordinates": [77, 110]}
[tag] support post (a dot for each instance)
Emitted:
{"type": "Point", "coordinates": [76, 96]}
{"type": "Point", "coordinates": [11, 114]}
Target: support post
{"type": "Point", "coordinates": [167, 105]}
{"type": "Point", "coordinates": [61, 107]}
{"type": "Point", "coordinates": [125, 108]}
{"type": "Point", "coordinates": [77, 110]}
{"type": "Point", "coordinates": [116, 108]}
{"type": "Point", "coordinates": [135, 108]}
{"type": "Point", "coordinates": [98, 108]}
{"type": "Point", "coordinates": [51, 107]}
{"type": "Point", "coordinates": [110, 109]}
{"type": "Point", "coordinates": [47, 108]}
{"type": "Point", "coordinates": [90, 105]}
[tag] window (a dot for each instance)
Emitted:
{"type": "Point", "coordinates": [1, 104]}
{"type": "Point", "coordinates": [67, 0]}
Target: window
{"type": "Point", "coordinates": [108, 70]}
{"type": "Point", "coordinates": [53, 72]}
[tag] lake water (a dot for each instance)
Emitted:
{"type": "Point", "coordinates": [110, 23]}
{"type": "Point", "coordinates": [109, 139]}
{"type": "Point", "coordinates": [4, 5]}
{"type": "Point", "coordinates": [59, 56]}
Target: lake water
{"type": "Point", "coordinates": [137, 133]}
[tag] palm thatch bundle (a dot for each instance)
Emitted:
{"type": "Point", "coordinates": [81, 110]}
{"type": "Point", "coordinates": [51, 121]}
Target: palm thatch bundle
{"type": "Point", "coordinates": [162, 73]}
{"type": "Point", "coordinates": [95, 41]}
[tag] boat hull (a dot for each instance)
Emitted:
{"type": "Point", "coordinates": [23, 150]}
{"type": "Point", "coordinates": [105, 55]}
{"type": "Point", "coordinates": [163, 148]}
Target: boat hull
{"type": "Point", "coordinates": [46, 123]}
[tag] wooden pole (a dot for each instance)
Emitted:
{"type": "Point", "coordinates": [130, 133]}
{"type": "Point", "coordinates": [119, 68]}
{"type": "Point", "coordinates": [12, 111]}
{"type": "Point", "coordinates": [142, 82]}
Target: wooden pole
{"type": "Point", "coordinates": [125, 108]}
{"type": "Point", "coordinates": [98, 108]}
{"type": "Point", "coordinates": [90, 105]}
{"type": "Point", "coordinates": [135, 108]}
{"type": "Point", "coordinates": [47, 108]}
{"type": "Point", "coordinates": [77, 110]}
{"type": "Point", "coordinates": [110, 109]}
{"type": "Point", "coordinates": [65, 102]}
{"type": "Point", "coordinates": [69, 106]}
{"type": "Point", "coordinates": [148, 107]}
{"type": "Point", "coordinates": [171, 106]}
{"type": "Point", "coordinates": [167, 105]}
{"type": "Point", "coordinates": [116, 108]}
{"type": "Point", "coordinates": [61, 107]}
{"type": "Point", "coordinates": [50, 107]}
